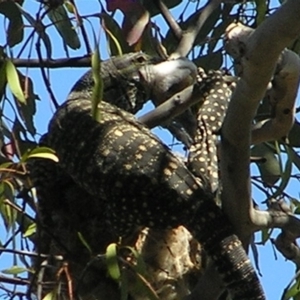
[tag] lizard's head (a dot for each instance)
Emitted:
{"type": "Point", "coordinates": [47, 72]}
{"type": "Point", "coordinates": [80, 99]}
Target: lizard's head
{"type": "Point", "coordinates": [132, 79]}
{"type": "Point", "coordinates": [167, 78]}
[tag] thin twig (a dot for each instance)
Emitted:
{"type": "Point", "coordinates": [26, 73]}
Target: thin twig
{"type": "Point", "coordinates": [83, 31]}
{"type": "Point", "coordinates": [169, 18]}
{"type": "Point", "coordinates": [189, 36]}
{"type": "Point", "coordinates": [79, 62]}
{"type": "Point", "coordinates": [31, 254]}
{"type": "Point", "coordinates": [14, 280]}
{"type": "Point", "coordinates": [170, 108]}
{"type": "Point", "coordinates": [44, 76]}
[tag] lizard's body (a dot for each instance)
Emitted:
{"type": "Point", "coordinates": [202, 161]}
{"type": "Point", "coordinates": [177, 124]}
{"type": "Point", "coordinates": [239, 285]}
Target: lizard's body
{"type": "Point", "coordinates": [141, 183]}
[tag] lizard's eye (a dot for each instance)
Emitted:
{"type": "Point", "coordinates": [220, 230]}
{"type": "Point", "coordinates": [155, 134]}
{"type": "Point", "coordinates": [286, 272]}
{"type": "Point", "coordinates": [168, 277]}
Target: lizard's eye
{"type": "Point", "coordinates": [141, 59]}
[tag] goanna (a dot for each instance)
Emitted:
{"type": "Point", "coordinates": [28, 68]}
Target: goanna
{"type": "Point", "coordinates": [141, 183]}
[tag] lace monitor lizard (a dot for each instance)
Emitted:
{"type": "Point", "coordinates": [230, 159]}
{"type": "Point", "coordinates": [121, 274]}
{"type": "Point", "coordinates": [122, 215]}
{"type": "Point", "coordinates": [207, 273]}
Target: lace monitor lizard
{"type": "Point", "coordinates": [140, 182]}
{"type": "Point", "coordinates": [132, 79]}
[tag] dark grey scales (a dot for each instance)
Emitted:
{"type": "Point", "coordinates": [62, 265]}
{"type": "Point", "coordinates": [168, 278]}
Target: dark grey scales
{"type": "Point", "coordinates": [62, 203]}
{"type": "Point", "coordinates": [138, 181]}
{"type": "Point", "coordinates": [64, 207]}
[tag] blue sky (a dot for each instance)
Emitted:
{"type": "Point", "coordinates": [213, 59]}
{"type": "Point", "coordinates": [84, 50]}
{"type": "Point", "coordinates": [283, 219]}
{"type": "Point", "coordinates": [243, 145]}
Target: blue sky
{"type": "Point", "coordinates": [275, 270]}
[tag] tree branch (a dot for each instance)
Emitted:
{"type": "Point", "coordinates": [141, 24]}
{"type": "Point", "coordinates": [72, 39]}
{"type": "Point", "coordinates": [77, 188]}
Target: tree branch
{"type": "Point", "coordinates": [258, 56]}
{"type": "Point", "coordinates": [279, 215]}
{"type": "Point", "coordinates": [79, 62]}
{"type": "Point", "coordinates": [14, 280]}
{"type": "Point", "coordinates": [169, 18]}
{"type": "Point", "coordinates": [171, 108]}
{"type": "Point", "coordinates": [189, 36]}
{"type": "Point", "coordinates": [282, 98]}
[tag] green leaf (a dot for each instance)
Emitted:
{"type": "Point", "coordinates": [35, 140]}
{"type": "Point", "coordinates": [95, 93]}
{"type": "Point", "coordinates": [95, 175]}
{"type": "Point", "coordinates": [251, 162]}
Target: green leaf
{"type": "Point", "coordinates": [8, 214]}
{"type": "Point", "coordinates": [295, 158]}
{"type": "Point", "coordinates": [7, 190]}
{"type": "Point", "coordinates": [112, 262]}
{"type": "Point", "coordinates": [270, 170]}
{"type": "Point", "coordinates": [140, 266]}
{"type": "Point", "coordinates": [14, 81]}
{"type": "Point", "coordinates": [114, 35]}
{"type": "Point", "coordinates": [41, 30]}
{"type": "Point", "coordinates": [64, 26]}
{"type": "Point", "coordinates": [293, 291]}
{"type": "Point", "coordinates": [41, 152]}
{"type": "Point", "coordinates": [286, 174]}
{"type": "Point", "coordinates": [140, 270]}
{"type": "Point", "coordinates": [124, 286]}
{"type": "Point", "coordinates": [15, 270]}
{"type": "Point", "coordinates": [261, 10]}
{"type": "Point", "coordinates": [51, 296]}
{"type": "Point", "coordinates": [15, 31]}
{"type": "Point", "coordinates": [294, 135]}
{"type": "Point", "coordinates": [84, 242]}
{"type": "Point", "coordinates": [288, 167]}
{"type": "Point", "coordinates": [295, 46]}
{"type": "Point", "coordinates": [98, 84]}
{"type": "Point", "coordinates": [70, 7]}
{"type": "Point", "coordinates": [27, 111]}
{"type": "Point", "coordinates": [265, 235]}
{"type": "Point", "coordinates": [144, 286]}
{"type": "Point", "coordinates": [30, 230]}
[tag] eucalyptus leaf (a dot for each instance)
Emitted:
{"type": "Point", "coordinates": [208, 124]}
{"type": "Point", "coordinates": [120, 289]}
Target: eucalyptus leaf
{"type": "Point", "coordinates": [50, 296]}
{"type": "Point", "coordinates": [84, 242]}
{"type": "Point", "coordinates": [15, 30]}
{"type": "Point", "coordinates": [28, 110]}
{"type": "Point", "coordinates": [14, 81]}
{"type": "Point", "coordinates": [261, 10]}
{"type": "Point", "coordinates": [114, 35]}
{"type": "Point", "coordinates": [41, 30]}
{"type": "Point", "coordinates": [30, 230]}
{"type": "Point", "coordinates": [270, 169]}
{"type": "Point", "coordinates": [112, 262]}
{"type": "Point", "coordinates": [41, 152]}
{"type": "Point", "coordinates": [64, 26]}
{"type": "Point", "coordinates": [98, 84]}
{"type": "Point", "coordinates": [294, 135]}
{"type": "Point", "coordinates": [15, 270]}
{"type": "Point", "coordinates": [293, 291]}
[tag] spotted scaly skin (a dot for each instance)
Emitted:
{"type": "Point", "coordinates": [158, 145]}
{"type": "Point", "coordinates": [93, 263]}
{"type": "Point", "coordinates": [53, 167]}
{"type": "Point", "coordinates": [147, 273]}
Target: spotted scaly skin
{"type": "Point", "coordinates": [122, 81]}
{"type": "Point", "coordinates": [141, 183]}
{"type": "Point", "coordinates": [203, 158]}
{"type": "Point", "coordinates": [132, 79]}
